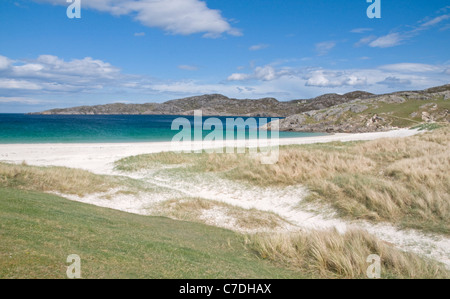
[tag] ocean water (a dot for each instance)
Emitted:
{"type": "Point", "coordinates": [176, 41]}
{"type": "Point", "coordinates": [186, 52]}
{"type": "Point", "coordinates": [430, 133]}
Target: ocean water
{"type": "Point", "coordinates": [23, 128]}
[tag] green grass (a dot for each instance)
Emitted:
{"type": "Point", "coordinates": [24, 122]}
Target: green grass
{"type": "Point", "coordinates": [427, 127]}
{"type": "Point", "coordinates": [400, 113]}
{"type": "Point", "coordinates": [38, 232]}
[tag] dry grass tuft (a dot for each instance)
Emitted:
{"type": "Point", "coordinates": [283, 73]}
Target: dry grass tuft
{"type": "Point", "coordinates": [54, 179]}
{"type": "Point", "coordinates": [328, 254]}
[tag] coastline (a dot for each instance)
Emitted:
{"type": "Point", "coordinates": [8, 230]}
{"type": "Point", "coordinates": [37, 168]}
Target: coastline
{"type": "Point", "coordinates": [98, 157]}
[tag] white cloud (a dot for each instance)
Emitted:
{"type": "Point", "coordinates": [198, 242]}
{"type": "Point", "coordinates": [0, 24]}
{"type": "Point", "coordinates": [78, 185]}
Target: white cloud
{"type": "Point", "coordinates": [435, 21]}
{"type": "Point", "coordinates": [397, 38]}
{"type": "Point", "coordinates": [89, 79]}
{"type": "Point", "coordinates": [266, 73]}
{"type": "Point", "coordinates": [324, 47]}
{"type": "Point", "coordinates": [258, 47]}
{"type": "Point", "coordinates": [376, 80]}
{"type": "Point", "coordinates": [51, 73]}
{"type": "Point", "coordinates": [387, 41]}
{"type": "Point", "coordinates": [183, 17]}
{"type": "Point", "coordinates": [187, 67]}
{"type": "Point", "coordinates": [263, 73]}
{"type": "Point", "coordinates": [5, 62]}
{"type": "Point", "coordinates": [365, 40]}
{"type": "Point", "coordinates": [238, 77]}
{"type": "Point", "coordinates": [18, 84]}
{"type": "Point", "coordinates": [139, 34]}
{"type": "Point", "coordinates": [411, 67]}
{"type": "Point", "coordinates": [322, 78]}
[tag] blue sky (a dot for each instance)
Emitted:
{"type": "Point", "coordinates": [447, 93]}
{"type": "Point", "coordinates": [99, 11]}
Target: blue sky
{"type": "Point", "coordinates": [138, 51]}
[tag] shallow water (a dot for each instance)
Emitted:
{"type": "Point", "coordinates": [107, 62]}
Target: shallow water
{"type": "Point", "coordinates": [23, 128]}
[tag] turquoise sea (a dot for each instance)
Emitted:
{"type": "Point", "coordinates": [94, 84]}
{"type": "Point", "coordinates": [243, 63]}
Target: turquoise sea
{"type": "Point", "coordinates": [24, 128]}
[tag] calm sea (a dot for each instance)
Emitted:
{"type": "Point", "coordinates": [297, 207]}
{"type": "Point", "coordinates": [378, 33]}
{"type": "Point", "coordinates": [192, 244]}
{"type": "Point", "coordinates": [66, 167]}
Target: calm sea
{"type": "Point", "coordinates": [23, 128]}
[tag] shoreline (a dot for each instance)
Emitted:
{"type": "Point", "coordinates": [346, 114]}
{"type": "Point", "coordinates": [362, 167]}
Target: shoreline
{"type": "Point", "coordinates": [98, 157]}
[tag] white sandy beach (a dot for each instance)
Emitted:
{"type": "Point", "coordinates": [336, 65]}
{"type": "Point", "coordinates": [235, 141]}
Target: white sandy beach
{"type": "Point", "coordinates": [99, 159]}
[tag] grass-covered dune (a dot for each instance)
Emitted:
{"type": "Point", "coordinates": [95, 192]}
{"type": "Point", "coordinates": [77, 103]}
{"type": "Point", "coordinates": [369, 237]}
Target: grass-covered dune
{"type": "Point", "coordinates": [405, 181]}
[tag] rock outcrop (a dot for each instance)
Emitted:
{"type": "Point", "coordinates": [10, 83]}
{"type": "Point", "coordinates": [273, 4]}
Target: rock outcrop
{"type": "Point", "coordinates": [375, 113]}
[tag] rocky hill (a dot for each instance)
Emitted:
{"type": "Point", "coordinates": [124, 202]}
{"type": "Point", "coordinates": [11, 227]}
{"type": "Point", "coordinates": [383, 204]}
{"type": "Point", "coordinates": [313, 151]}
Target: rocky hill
{"type": "Point", "coordinates": [356, 111]}
{"type": "Point", "coordinates": [375, 113]}
{"type": "Point", "coordinates": [216, 105]}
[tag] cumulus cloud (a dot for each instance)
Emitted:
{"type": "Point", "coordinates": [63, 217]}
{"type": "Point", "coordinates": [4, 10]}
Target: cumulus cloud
{"type": "Point", "coordinates": [263, 73]}
{"type": "Point", "coordinates": [48, 72]}
{"type": "Point", "coordinates": [266, 73]}
{"type": "Point", "coordinates": [183, 17]}
{"type": "Point", "coordinates": [88, 78]}
{"type": "Point", "coordinates": [322, 78]}
{"type": "Point", "coordinates": [392, 76]}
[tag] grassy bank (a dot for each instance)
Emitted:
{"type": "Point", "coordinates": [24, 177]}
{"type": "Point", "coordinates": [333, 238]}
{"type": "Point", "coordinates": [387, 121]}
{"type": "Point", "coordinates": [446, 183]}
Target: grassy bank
{"type": "Point", "coordinates": [404, 181]}
{"type": "Point", "coordinates": [38, 232]}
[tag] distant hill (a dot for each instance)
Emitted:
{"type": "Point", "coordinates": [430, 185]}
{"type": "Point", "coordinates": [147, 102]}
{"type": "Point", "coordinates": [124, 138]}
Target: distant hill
{"type": "Point", "coordinates": [215, 105]}
{"type": "Point", "coordinates": [356, 111]}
